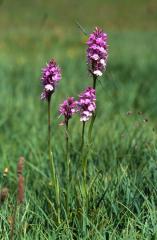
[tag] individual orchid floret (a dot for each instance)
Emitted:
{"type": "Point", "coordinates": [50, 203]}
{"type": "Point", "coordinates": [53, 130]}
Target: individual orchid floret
{"type": "Point", "coordinates": [97, 52]}
{"type": "Point", "coordinates": [67, 109]}
{"type": "Point", "coordinates": [86, 104]}
{"type": "Point", "coordinates": [51, 75]}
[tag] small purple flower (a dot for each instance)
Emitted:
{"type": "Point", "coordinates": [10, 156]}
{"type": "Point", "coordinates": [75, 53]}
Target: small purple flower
{"type": "Point", "coordinates": [86, 104]}
{"type": "Point", "coordinates": [67, 109]}
{"type": "Point", "coordinates": [51, 75]}
{"type": "Point", "coordinates": [97, 52]}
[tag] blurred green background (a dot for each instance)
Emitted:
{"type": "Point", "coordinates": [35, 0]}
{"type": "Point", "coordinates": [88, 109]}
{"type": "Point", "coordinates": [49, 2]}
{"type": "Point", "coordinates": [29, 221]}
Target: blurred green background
{"type": "Point", "coordinates": [111, 14]}
{"type": "Point", "coordinates": [32, 32]}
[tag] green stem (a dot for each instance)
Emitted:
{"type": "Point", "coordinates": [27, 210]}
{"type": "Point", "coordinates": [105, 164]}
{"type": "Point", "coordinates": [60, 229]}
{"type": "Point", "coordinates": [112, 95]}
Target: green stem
{"type": "Point", "coordinates": [84, 166]}
{"type": "Point", "coordinates": [82, 138]}
{"type": "Point", "coordinates": [93, 116]}
{"type": "Point", "coordinates": [83, 156]}
{"type": "Point", "coordinates": [91, 128]}
{"type": "Point", "coordinates": [94, 81]}
{"type": "Point", "coordinates": [68, 165]}
{"type": "Point", "coordinates": [67, 141]}
{"type": "Point", "coordinates": [83, 159]}
{"type": "Point", "coordinates": [51, 162]}
{"type": "Point", "coordinates": [50, 153]}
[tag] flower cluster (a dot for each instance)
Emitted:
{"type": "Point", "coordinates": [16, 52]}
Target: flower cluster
{"type": "Point", "coordinates": [51, 74]}
{"type": "Point", "coordinates": [86, 104]}
{"type": "Point", "coordinates": [67, 109]}
{"type": "Point", "coordinates": [97, 53]}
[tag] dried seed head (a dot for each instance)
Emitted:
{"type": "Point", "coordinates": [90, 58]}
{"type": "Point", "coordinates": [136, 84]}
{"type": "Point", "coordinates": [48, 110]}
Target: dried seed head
{"type": "Point", "coordinates": [20, 190]}
{"type": "Point", "coordinates": [3, 194]}
{"type": "Point", "coordinates": [20, 165]}
{"type": "Point", "coordinates": [20, 195]}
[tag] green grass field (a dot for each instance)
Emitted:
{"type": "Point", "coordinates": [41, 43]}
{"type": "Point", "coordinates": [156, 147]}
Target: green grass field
{"type": "Point", "coordinates": [123, 198]}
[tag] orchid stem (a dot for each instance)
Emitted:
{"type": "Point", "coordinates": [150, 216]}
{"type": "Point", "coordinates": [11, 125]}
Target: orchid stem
{"type": "Point", "coordinates": [82, 138]}
{"type": "Point", "coordinates": [93, 116]}
{"type": "Point", "coordinates": [83, 158]}
{"type": "Point", "coordinates": [51, 161]}
{"type": "Point", "coordinates": [94, 81]}
{"type": "Point", "coordinates": [68, 165]}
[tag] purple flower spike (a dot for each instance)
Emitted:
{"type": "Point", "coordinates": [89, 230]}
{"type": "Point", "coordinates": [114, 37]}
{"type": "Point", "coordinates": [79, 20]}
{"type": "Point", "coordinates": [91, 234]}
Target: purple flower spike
{"type": "Point", "coordinates": [51, 75]}
{"type": "Point", "coordinates": [97, 52]}
{"type": "Point", "coordinates": [67, 109]}
{"type": "Point", "coordinates": [86, 104]}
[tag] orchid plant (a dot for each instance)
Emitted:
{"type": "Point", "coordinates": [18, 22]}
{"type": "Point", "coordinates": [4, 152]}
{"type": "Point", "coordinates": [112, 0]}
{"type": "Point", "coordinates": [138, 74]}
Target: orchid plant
{"type": "Point", "coordinates": [51, 75]}
{"type": "Point", "coordinates": [85, 106]}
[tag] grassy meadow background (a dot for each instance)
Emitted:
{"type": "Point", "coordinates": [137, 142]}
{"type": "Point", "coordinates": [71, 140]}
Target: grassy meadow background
{"type": "Point", "coordinates": [123, 203]}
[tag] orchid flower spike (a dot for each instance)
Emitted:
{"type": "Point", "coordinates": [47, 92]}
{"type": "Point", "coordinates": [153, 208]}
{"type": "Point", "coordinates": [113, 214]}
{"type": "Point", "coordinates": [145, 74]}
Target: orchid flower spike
{"type": "Point", "coordinates": [86, 104]}
{"type": "Point", "coordinates": [51, 75]}
{"type": "Point", "coordinates": [97, 52]}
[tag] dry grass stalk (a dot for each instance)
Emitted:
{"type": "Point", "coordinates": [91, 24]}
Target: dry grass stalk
{"type": "Point", "coordinates": [3, 195]}
{"type": "Point", "coordinates": [20, 194]}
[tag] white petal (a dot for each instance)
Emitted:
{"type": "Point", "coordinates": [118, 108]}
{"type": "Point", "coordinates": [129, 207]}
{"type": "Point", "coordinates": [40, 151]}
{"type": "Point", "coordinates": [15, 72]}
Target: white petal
{"type": "Point", "coordinates": [91, 108]}
{"type": "Point", "coordinates": [102, 50]}
{"type": "Point", "coordinates": [102, 61]}
{"type": "Point", "coordinates": [98, 73]}
{"type": "Point", "coordinates": [48, 87]}
{"type": "Point", "coordinates": [84, 119]}
{"type": "Point", "coordinates": [87, 113]}
{"type": "Point", "coordinates": [95, 57]}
